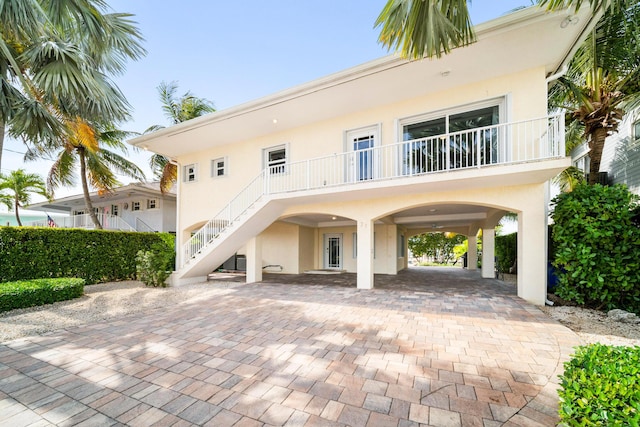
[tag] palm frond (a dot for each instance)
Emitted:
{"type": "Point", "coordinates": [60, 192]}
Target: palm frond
{"type": "Point", "coordinates": [424, 28]}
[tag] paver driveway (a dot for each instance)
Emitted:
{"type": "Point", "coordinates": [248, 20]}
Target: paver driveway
{"type": "Point", "coordinates": [436, 348]}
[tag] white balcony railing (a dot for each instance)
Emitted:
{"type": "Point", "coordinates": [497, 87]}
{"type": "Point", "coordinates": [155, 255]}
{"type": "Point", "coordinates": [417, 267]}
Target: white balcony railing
{"type": "Point", "coordinates": [108, 222]}
{"type": "Point", "coordinates": [502, 144]}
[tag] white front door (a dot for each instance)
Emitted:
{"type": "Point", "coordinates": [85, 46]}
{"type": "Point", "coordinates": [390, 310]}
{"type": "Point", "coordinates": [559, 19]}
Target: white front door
{"type": "Point", "coordinates": [363, 163]}
{"type": "Point", "coordinates": [333, 251]}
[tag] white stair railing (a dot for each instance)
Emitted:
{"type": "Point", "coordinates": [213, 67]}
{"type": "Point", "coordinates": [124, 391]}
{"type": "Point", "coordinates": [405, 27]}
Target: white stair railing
{"type": "Point", "coordinates": [501, 144]}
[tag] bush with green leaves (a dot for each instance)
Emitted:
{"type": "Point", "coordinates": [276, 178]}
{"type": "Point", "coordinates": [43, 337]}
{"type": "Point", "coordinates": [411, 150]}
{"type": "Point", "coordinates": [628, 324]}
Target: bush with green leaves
{"type": "Point", "coordinates": [506, 251]}
{"type": "Point", "coordinates": [30, 293]}
{"type": "Point", "coordinates": [601, 387]}
{"type": "Point", "coordinates": [93, 255]}
{"type": "Point", "coordinates": [597, 247]}
{"type": "Point", "coordinates": [155, 265]}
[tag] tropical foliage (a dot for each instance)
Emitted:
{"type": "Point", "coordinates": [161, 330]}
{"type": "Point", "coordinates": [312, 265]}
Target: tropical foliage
{"type": "Point", "coordinates": [437, 247]}
{"type": "Point", "coordinates": [603, 81]}
{"type": "Point", "coordinates": [89, 148]}
{"type": "Point", "coordinates": [596, 247]}
{"type": "Point", "coordinates": [16, 190]}
{"type": "Point", "coordinates": [177, 110]}
{"type": "Point", "coordinates": [56, 59]}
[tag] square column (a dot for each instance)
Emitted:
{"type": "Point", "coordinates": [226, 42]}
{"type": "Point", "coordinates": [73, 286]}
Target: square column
{"type": "Point", "coordinates": [488, 253]}
{"type": "Point", "coordinates": [254, 260]}
{"type": "Point", "coordinates": [532, 249]}
{"type": "Point", "coordinates": [472, 253]}
{"type": "Point", "coordinates": [364, 262]}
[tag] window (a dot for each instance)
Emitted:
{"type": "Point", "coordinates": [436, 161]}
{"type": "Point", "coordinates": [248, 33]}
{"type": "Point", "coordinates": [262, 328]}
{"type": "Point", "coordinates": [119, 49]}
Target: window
{"type": "Point", "coordinates": [401, 245]}
{"type": "Point", "coordinates": [135, 206]}
{"type": "Point", "coordinates": [218, 167]}
{"type": "Point", "coordinates": [190, 173]}
{"type": "Point", "coordinates": [275, 159]}
{"type": "Point", "coordinates": [636, 130]}
{"type": "Point", "coordinates": [429, 148]}
{"type": "Point", "coordinates": [114, 210]}
{"type": "Point", "coordinates": [152, 203]}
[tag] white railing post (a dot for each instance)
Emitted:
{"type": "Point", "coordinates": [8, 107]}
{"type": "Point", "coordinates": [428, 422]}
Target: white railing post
{"type": "Point", "coordinates": [479, 147]}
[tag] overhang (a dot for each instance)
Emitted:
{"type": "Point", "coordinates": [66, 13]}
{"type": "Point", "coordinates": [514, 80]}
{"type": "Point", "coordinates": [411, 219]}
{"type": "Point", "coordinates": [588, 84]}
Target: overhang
{"type": "Point", "coordinates": [519, 41]}
{"type": "Point", "coordinates": [70, 203]}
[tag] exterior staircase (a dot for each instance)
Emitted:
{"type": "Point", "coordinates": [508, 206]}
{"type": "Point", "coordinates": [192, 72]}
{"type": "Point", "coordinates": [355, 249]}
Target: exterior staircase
{"type": "Point", "coordinates": [263, 200]}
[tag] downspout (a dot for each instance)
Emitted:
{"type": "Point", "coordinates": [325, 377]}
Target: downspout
{"type": "Point", "coordinates": [557, 75]}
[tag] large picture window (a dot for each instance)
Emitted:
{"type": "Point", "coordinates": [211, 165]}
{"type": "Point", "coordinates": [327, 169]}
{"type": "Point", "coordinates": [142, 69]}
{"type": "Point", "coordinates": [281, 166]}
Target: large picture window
{"type": "Point", "coordinates": [455, 139]}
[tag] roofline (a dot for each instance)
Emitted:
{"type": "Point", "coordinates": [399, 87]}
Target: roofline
{"type": "Point", "coordinates": [138, 186]}
{"type": "Point", "coordinates": [494, 26]}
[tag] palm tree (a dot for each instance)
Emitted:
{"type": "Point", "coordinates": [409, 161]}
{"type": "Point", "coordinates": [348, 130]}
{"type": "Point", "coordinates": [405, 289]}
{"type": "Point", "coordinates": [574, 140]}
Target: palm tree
{"type": "Point", "coordinates": [89, 147]}
{"type": "Point", "coordinates": [427, 28]}
{"type": "Point", "coordinates": [603, 81]}
{"type": "Point", "coordinates": [21, 185]}
{"type": "Point", "coordinates": [55, 59]}
{"type": "Point", "coordinates": [177, 110]}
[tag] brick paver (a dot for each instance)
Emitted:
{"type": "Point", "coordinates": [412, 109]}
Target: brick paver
{"type": "Point", "coordinates": [437, 347]}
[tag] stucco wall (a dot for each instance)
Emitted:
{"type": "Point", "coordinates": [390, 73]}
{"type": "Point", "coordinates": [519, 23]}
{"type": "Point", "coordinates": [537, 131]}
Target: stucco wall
{"type": "Point", "coordinates": [201, 200]}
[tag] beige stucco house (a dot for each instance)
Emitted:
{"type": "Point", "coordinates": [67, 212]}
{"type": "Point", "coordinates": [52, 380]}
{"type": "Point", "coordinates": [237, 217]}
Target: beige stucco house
{"type": "Point", "coordinates": [338, 173]}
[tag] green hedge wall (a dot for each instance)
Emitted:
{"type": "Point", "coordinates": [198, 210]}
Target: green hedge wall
{"type": "Point", "coordinates": [93, 255]}
{"type": "Point", "coordinates": [29, 293]}
{"type": "Point", "coordinates": [506, 251]}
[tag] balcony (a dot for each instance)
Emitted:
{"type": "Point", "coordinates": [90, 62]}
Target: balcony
{"type": "Point", "coordinates": [108, 222]}
{"type": "Point", "coordinates": [515, 143]}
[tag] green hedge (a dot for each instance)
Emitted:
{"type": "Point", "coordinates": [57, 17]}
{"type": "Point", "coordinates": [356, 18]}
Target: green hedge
{"type": "Point", "coordinates": [601, 387]}
{"type": "Point", "coordinates": [29, 293]}
{"type": "Point", "coordinates": [93, 255]}
{"type": "Point", "coordinates": [597, 246]}
{"type": "Point", "coordinates": [506, 251]}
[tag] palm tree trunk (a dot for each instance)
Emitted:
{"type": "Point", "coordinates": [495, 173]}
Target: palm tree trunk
{"type": "Point", "coordinates": [85, 190]}
{"type": "Point", "coordinates": [15, 207]}
{"type": "Point", "coordinates": [596, 144]}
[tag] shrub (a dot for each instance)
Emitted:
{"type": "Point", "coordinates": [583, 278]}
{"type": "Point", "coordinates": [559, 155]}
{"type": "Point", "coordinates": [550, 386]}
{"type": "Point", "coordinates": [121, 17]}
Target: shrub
{"type": "Point", "coordinates": [29, 293]}
{"type": "Point", "coordinates": [506, 251]}
{"type": "Point", "coordinates": [94, 255]}
{"type": "Point", "coordinates": [601, 387]}
{"type": "Point", "coordinates": [596, 247]}
{"type": "Point", "coordinates": [153, 266]}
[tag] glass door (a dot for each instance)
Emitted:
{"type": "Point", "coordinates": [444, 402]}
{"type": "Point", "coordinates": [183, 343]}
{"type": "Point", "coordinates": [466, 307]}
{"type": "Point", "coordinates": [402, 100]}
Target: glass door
{"type": "Point", "coordinates": [362, 143]}
{"type": "Point", "coordinates": [333, 251]}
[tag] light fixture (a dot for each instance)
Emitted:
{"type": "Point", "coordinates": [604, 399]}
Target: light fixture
{"type": "Point", "coordinates": [432, 210]}
{"type": "Point", "coordinates": [275, 121]}
{"type": "Point", "coordinates": [571, 19]}
{"type": "Point", "coordinates": [145, 147]}
{"type": "Point", "coordinates": [334, 218]}
{"type": "Point", "coordinates": [445, 73]}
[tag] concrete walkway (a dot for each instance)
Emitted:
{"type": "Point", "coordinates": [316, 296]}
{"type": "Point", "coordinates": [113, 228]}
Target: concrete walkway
{"type": "Point", "coordinates": [427, 347]}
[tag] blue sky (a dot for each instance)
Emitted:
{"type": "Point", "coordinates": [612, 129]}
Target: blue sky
{"type": "Point", "coordinates": [234, 51]}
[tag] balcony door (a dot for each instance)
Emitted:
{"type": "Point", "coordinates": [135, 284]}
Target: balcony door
{"type": "Point", "coordinates": [362, 143]}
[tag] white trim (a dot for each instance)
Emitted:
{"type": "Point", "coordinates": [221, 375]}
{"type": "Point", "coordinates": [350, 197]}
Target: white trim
{"type": "Point", "coordinates": [214, 167]}
{"type": "Point", "coordinates": [503, 102]}
{"type": "Point", "coordinates": [287, 156]}
{"type": "Point", "coordinates": [185, 177]}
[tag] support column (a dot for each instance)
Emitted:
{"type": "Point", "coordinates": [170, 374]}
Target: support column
{"type": "Point", "coordinates": [254, 260]}
{"type": "Point", "coordinates": [472, 253]}
{"type": "Point", "coordinates": [532, 248]}
{"type": "Point", "coordinates": [364, 262]}
{"type": "Point", "coordinates": [488, 252]}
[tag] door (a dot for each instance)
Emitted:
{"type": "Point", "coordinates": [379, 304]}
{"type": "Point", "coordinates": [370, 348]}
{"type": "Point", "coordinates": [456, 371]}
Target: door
{"type": "Point", "coordinates": [333, 251]}
{"type": "Point", "coordinates": [362, 143]}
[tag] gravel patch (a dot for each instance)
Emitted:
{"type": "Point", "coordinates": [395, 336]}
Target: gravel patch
{"type": "Point", "coordinates": [102, 302]}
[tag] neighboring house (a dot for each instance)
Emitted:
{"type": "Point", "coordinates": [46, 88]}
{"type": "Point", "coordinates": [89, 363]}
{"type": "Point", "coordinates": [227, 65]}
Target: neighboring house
{"type": "Point", "coordinates": [620, 162]}
{"type": "Point", "coordinates": [338, 173]}
{"type": "Point", "coordinates": [135, 207]}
